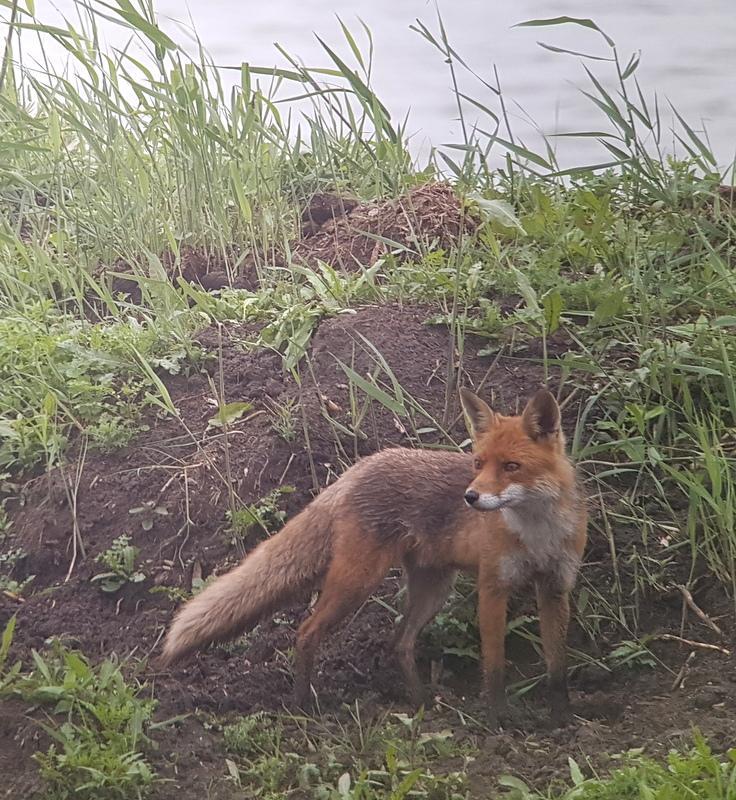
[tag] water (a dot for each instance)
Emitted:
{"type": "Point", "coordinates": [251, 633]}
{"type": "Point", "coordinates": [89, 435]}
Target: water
{"type": "Point", "coordinates": [688, 57]}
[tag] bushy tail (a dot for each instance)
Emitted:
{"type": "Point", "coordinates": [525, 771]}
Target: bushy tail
{"type": "Point", "coordinates": [279, 569]}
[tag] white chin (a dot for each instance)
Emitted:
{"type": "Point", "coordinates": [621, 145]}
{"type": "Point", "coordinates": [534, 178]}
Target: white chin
{"type": "Point", "coordinates": [490, 503]}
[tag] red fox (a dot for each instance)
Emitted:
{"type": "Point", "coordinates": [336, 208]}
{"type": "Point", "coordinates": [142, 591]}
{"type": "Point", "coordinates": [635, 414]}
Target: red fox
{"type": "Point", "coordinates": [510, 513]}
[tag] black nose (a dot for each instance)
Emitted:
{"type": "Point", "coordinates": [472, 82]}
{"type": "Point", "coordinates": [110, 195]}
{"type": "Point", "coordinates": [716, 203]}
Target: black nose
{"type": "Point", "coordinates": [471, 496]}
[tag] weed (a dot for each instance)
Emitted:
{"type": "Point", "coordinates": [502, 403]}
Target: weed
{"type": "Point", "coordinates": [696, 773]}
{"type": "Point", "coordinates": [174, 593]}
{"type": "Point", "coordinates": [8, 560]}
{"type": "Point", "coordinates": [97, 726]}
{"type": "Point", "coordinates": [630, 654]}
{"type": "Point", "coordinates": [365, 762]}
{"type": "Point", "coordinates": [228, 413]}
{"type": "Point", "coordinates": [4, 519]}
{"type": "Point", "coordinates": [265, 515]}
{"type": "Point", "coordinates": [454, 631]}
{"type": "Point", "coordinates": [284, 418]}
{"type": "Point", "coordinates": [8, 676]}
{"type": "Point", "coordinates": [119, 559]}
{"type": "Point", "coordinates": [111, 433]}
{"type": "Point", "coordinates": [148, 513]}
{"type": "Point", "coordinates": [13, 587]}
{"type": "Point", "coordinates": [252, 735]}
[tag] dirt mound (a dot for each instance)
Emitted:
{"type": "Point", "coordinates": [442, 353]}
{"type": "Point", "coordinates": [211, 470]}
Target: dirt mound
{"type": "Point", "coordinates": [172, 489]}
{"type": "Point", "coordinates": [428, 216]}
{"type": "Point", "coordinates": [335, 229]}
{"type": "Point", "coordinates": [407, 361]}
{"type": "Point", "coordinates": [325, 207]}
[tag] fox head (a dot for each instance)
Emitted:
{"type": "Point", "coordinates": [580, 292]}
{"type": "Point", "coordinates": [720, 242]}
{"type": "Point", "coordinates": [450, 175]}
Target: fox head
{"type": "Point", "coordinates": [518, 460]}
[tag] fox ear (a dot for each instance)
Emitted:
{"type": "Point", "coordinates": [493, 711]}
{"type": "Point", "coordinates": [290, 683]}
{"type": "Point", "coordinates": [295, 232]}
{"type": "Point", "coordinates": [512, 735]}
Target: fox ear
{"type": "Point", "coordinates": [479, 414]}
{"type": "Point", "coordinates": [541, 416]}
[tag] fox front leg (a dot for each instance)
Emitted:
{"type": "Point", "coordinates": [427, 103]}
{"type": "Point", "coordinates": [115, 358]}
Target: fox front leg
{"type": "Point", "coordinates": [492, 607]}
{"type": "Point", "coordinates": [554, 614]}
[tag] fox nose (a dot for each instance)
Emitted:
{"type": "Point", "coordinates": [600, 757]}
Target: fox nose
{"type": "Point", "coordinates": [471, 496]}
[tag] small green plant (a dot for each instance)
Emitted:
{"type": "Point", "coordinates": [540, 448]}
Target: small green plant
{"type": "Point", "coordinates": [119, 559]}
{"type": "Point", "coordinates": [111, 433]}
{"type": "Point", "coordinates": [80, 765]}
{"type": "Point", "coordinates": [257, 758]}
{"type": "Point", "coordinates": [284, 418]}
{"type": "Point", "coordinates": [398, 778]}
{"type": "Point", "coordinates": [174, 593]}
{"type": "Point", "coordinates": [266, 514]}
{"type": "Point", "coordinates": [97, 726]}
{"type": "Point", "coordinates": [4, 518]}
{"type": "Point", "coordinates": [252, 735]}
{"type": "Point", "coordinates": [7, 676]}
{"type": "Point", "coordinates": [698, 773]}
{"type": "Point", "coordinates": [484, 320]}
{"type": "Point", "coordinates": [630, 654]}
{"type": "Point", "coordinates": [8, 560]}
{"type": "Point", "coordinates": [147, 514]}
{"type": "Point", "coordinates": [228, 413]}
{"type": "Point", "coordinates": [15, 587]}
{"type": "Point", "coordinates": [454, 630]}
{"type": "Point", "coordinates": [199, 584]}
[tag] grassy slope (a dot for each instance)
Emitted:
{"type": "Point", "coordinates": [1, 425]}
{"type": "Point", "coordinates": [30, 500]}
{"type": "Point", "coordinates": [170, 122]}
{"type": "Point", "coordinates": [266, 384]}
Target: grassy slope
{"type": "Point", "coordinates": [634, 261]}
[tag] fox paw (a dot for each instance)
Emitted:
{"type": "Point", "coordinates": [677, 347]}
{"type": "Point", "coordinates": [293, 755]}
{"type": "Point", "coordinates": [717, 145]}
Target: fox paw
{"type": "Point", "coordinates": [561, 717]}
{"type": "Point", "coordinates": [507, 718]}
{"type": "Point", "coordinates": [417, 696]}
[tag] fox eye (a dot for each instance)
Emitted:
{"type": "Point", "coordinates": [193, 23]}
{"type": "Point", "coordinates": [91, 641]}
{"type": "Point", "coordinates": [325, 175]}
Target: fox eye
{"type": "Point", "coordinates": [510, 466]}
{"type": "Point", "coordinates": [477, 463]}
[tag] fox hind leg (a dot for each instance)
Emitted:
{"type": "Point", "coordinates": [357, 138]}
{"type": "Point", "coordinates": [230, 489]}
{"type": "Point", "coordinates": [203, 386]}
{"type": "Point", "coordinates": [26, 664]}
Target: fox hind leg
{"type": "Point", "coordinates": [358, 566]}
{"type": "Point", "coordinates": [428, 588]}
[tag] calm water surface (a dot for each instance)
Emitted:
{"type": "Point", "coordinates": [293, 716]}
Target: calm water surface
{"type": "Point", "coordinates": [688, 56]}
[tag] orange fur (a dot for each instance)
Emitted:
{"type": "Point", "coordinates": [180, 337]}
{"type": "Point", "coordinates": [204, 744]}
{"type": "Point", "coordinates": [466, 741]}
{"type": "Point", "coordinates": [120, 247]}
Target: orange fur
{"type": "Point", "coordinates": [510, 514]}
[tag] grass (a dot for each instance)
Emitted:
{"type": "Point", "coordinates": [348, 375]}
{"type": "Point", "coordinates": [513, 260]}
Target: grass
{"type": "Point", "coordinates": [140, 159]}
{"type": "Point", "coordinates": [390, 757]}
{"type": "Point", "coordinates": [396, 758]}
{"type": "Point", "coordinates": [95, 724]}
{"type": "Point", "coordinates": [697, 772]}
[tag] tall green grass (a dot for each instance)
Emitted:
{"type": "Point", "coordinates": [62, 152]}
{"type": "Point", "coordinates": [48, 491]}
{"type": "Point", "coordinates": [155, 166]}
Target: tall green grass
{"type": "Point", "coordinates": [140, 154]}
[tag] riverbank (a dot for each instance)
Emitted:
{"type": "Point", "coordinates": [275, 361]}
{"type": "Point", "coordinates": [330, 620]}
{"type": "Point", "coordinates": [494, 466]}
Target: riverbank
{"type": "Point", "coordinates": [206, 318]}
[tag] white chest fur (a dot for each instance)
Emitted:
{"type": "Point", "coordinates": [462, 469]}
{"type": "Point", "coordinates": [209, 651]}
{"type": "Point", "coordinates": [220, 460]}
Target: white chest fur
{"type": "Point", "coordinates": [544, 547]}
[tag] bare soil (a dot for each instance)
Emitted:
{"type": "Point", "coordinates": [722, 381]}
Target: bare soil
{"type": "Point", "coordinates": [427, 217]}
